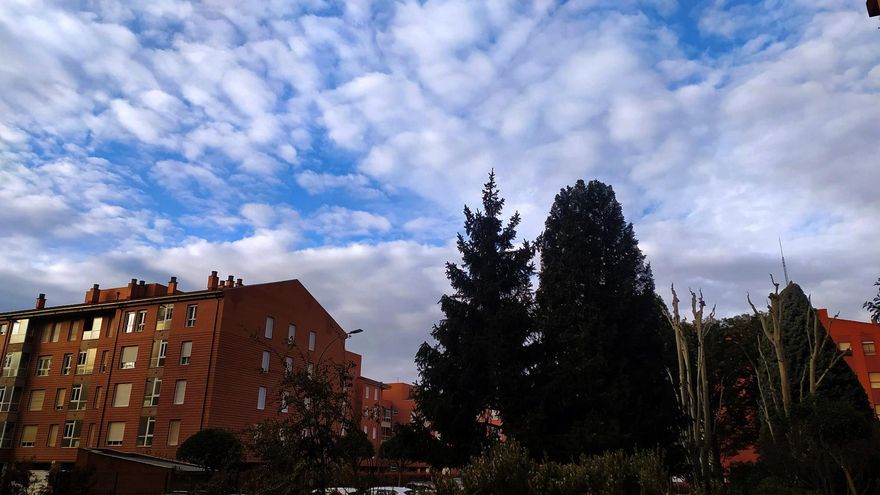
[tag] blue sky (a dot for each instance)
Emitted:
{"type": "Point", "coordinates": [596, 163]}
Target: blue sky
{"type": "Point", "coordinates": [337, 143]}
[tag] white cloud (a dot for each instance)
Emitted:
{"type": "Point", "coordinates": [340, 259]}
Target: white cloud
{"type": "Point", "coordinates": [338, 222]}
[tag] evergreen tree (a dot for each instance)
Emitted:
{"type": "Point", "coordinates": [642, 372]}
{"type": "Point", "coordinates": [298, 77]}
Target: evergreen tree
{"type": "Point", "coordinates": [601, 380]}
{"type": "Point", "coordinates": [477, 363]}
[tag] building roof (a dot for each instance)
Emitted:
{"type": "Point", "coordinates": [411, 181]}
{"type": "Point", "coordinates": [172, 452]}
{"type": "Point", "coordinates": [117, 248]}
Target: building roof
{"type": "Point", "coordinates": [148, 460]}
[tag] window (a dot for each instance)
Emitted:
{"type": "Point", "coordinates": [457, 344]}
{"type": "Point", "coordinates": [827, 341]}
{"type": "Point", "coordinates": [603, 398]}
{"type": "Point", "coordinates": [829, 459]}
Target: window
{"type": "Point", "coordinates": [868, 348]}
{"type": "Point", "coordinates": [44, 365]}
{"type": "Point", "coordinates": [19, 331]}
{"type": "Point", "coordinates": [3, 327]}
{"type": "Point", "coordinates": [366, 429]}
{"type": "Point", "coordinates": [261, 398]}
{"type": "Point", "coordinates": [270, 324]}
{"type": "Point", "coordinates": [145, 431]}
{"type": "Point", "coordinates": [288, 365]}
{"type": "Point", "coordinates": [877, 411]}
{"type": "Point", "coordinates": [66, 363]}
{"type": "Point", "coordinates": [29, 436]}
{"type": "Point", "coordinates": [875, 379]}
{"type": "Point", "coordinates": [191, 315]}
{"type": "Point", "coordinates": [284, 402]}
{"type": "Point", "coordinates": [104, 357]}
{"type": "Point", "coordinates": [129, 322]}
{"type": "Point", "coordinates": [36, 401]}
{"type": "Point", "coordinates": [60, 398]}
{"type": "Point", "coordinates": [115, 433]}
{"type": "Point", "coordinates": [151, 392]}
{"type": "Point", "coordinates": [85, 361]}
{"type": "Point", "coordinates": [163, 321]}
{"type": "Point", "coordinates": [264, 366]}
{"type": "Point", "coordinates": [157, 359]}
{"type": "Point", "coordinates": [72, 430]}
{"type": "Point", "coordinates": [128, 357]}
{"type": "Point", "coordinates": [15, 363]}
{"type": "Point", "coordinates": [45, 333]}
{"type": "Point", "coordinates": [99, 395]}
{"type": "Point", "coordinates": [375, 393]}
{"type": "Point", "coordinates": [185, 352]}
{"type": "Point", "coordinates": [366, 391]}
{"type": "Point", "coordinates": [9, 397]}
{"type": "Point", "coordinates": [73, 331]}
{"type": "Point", "coordinates": [6, 431]}
{"type": "Point", "coordinates": [52, 438]}
{"type": "Point", "coordinates": [312, 338]}
{"type": "Point", "coordinates": [140, 321]}
{"type": "Point", "coordinates": [173, 431]}
{"type": "Point", "coordinates": [122, 395]}
{"type": "Point", "coordinates": [291, 333]}
{"type": "Point", "coordinates": [310, 369]}
{"type": "Point", "coordinates": [94, 330]}
{"type": "Point", "coordinates": [56, 332]}
{"type": "Point", "coordinates": [374, 433]}
{"type": "Point", "coordinates": [78, 397]}
{"type": "Point", "coordinates": [179, 391]}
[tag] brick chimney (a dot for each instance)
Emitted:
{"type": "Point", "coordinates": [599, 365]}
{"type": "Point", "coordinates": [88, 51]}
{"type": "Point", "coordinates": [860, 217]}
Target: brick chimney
{"type": "Point", "coordinates": [41, 301]}
{"type": "Point", "coordinates": [213, 281]}
{"type": "Point", "coordinates": [172, 286]}
{"type": "Point", "coordinates": [238, 282]}
{"type": "Point", "coordinates": [230, 281]}
{"type": "Point", "coordinates": [95, 294]}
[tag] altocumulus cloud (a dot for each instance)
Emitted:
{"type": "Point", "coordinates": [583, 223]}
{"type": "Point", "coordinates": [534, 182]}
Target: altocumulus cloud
{"type": "Point", "coordinates": [336, 142]}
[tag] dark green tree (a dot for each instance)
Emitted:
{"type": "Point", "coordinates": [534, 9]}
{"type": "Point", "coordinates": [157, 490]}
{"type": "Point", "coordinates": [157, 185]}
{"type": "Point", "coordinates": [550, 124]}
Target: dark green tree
{"type": "Point", "coordinates": [604, 342]}
{"type": "Point", "coordinates": [411, 443]}
{"type": "Point", "coordinates": [214, 449]}
{"type": "Point", "coordinates": [873, 306]}
{"type": "Point", "coordinates": [478, 361]}
{"type": "Point", "coordinates": [814, 413]}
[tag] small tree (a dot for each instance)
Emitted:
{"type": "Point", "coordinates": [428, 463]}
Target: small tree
{"type": "Point", "coordinates": [305, 445]}
{"type": "Point", "coordinates": [214, 449]}
{"type": "Point", "coordinates": [873, 306]}
{"type": "Point", "coordinates": [411, 443]}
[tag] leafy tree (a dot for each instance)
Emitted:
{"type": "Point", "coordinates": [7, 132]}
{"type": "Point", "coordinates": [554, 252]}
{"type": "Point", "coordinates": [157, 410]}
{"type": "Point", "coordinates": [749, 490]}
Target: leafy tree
{"type": "Point", "coordinates": [356, 447]}
{"type": "Point", "coordinates": [411, 443]}
{"type": "Point", "coordinates": [814, 413]}
{"type": "Point", "coordinates": [873, 306]}
{"type": "Point", "coordinates": [304, 446]}
{"type": "Point", "coordinates": [214, 449]}
{"type": "Point", "coordinates": [605, 345]}
{"type": "Point", "coordinates": [478, 361]}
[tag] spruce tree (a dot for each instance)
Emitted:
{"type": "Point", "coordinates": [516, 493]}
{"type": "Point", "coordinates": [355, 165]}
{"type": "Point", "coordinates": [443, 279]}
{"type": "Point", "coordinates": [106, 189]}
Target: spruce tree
{"type": "Point", "coordinates": [601, 381]}
{"type": "Point", "coordinates": [477, 364]}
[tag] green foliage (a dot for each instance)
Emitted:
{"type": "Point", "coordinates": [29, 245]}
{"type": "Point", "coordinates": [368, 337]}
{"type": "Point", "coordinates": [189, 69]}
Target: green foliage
{"type": "Point", "coordinates": [600, 380]}
{"type": "Point", "coordinates": [411, 443]}
{"type": "Point", "coordinates": [214, 449]}
{"type": "Point", "coordinates": [303, 448]}
{"type": "Point", "coordinates": [356, 447]}
{"type": "Point", "coordinates": [507, 469]}
{"type": "Point", "coordinates": [479, 360]}
{"type": "Point", "coordinates": [873, 306]}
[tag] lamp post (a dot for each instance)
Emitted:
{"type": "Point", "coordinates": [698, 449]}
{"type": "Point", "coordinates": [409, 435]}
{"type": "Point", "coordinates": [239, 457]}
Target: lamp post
{"type": "Point", "coordinates": [338, 336]}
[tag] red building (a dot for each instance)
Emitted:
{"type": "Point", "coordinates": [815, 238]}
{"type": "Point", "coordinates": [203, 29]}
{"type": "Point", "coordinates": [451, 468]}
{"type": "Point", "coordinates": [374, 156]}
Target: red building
{"type": "Point", "coordinates": [859, 339]}
{"type": "Point", "coordinates": [141, 368]}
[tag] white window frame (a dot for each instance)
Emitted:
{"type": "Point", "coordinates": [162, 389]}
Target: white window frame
{"type": "Point", "coordinates": [117, 402]}
{"type": "Point", "coordinates": [71, 436]}
{"type": "Point", "coordinates": [141, 321]}
{"type": "Point", "coordinates": [130, 318]}
{"type": "Point", "coordinates": [179, 392]}
{"type": "Point", "coordinates": [66, 363]}
{"type": "Point", "coordinates": [185, 353]}
{"type": "Point", "coordinates": [44, 365]}
{"type": "Point", "coordinates": [127, 365]}
{"type": "Point", "coordinates": [261, 398]}
{"type": "Point", "coordinates": [95, 331]}
{"type": "Point", "coordinates": [291, 333]}
{"type": "Point", "coordinates": [191, 311]}
{"type": "Point", "coordinates": [78, 397]}
{"type": "Point", "coordinates": [158, 361]}
{"type": "Point", "coordinates": [152, 391]}
{"type": "Point", "coordinates": [264, 363]}
{"type": "Point", "coordinates": [116, 440]}
{"type": "Point", "coordinates": [145, 439]}
{"type": "Point", "coordinates": [270, 327]}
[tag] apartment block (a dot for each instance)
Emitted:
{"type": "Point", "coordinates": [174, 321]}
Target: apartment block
{"type": "Point", "coordinates": [140, 368]}
{"type": "Point", "coordinates": [860, 341]}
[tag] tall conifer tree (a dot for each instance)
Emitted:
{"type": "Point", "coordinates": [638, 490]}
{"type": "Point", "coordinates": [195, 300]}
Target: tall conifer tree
{"type": "Point", "coordinates": [477, 363]}
{"type": "Point", "coordinates": [601, 381]}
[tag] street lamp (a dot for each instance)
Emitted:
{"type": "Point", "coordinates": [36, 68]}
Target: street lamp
{"type": "Point", "coordinates": [338, 336]}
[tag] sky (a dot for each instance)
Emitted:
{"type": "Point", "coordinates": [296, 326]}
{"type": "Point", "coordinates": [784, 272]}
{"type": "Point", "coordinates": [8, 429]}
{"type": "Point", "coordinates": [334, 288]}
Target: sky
{"type": "Point", "coordinates": [337, 143]}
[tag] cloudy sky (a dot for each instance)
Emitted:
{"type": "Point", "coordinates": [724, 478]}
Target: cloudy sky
{"type": "Point", "coordinates": [336, 142]}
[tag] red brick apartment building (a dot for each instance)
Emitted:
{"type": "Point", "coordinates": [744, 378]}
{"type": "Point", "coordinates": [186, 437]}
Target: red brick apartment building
{"type": "Point", "coordinates": [860, 340]}
{"type": "Point", "coordinates": [141, 368]}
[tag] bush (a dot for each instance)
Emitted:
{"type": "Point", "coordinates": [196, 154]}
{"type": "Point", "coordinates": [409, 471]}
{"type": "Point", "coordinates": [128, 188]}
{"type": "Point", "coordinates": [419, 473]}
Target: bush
{"type": "Point", "coordinates": [507, 469]}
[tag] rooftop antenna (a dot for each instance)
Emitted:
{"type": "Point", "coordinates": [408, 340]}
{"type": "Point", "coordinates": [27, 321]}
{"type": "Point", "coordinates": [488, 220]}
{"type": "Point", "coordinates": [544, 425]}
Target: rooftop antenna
{"type": "Point", "coordinates": [784, 269]}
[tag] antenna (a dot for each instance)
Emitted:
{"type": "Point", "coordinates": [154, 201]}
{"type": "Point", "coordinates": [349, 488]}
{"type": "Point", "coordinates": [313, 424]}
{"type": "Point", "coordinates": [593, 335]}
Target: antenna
{"type": "Point", "coordinates": [784, 269]}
